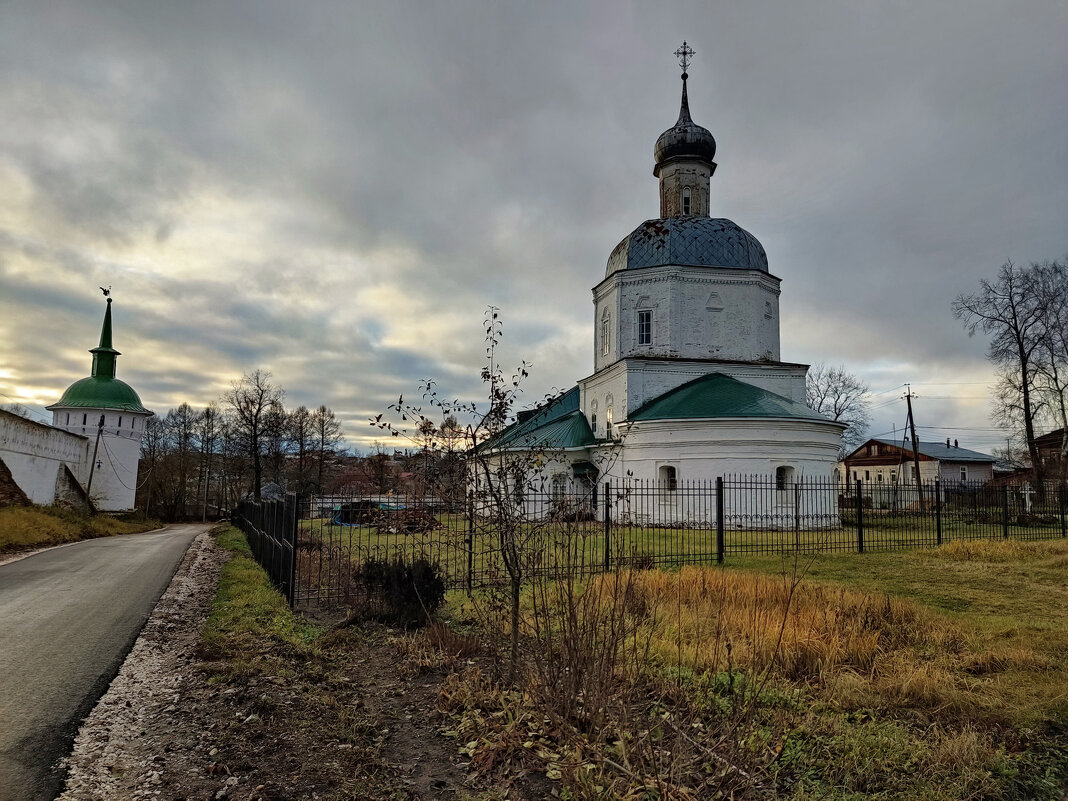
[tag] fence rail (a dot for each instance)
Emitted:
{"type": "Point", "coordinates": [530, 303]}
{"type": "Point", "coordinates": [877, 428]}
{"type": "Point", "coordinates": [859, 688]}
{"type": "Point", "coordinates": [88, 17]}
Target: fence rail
{"type": "Point", "coordinates": [311, 546]}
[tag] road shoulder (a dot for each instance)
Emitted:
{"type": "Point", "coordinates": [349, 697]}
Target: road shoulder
{"type": "Point", "coordinates": [124, 745]}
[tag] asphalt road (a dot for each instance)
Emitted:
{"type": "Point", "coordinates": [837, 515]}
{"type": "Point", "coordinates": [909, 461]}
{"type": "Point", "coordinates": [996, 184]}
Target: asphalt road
{"type": "Point", "coordinates": [68, 617]}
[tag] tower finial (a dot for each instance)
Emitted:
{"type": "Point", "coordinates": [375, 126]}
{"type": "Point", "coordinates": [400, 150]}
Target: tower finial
{"type": "Point", "coordinates": [104, 354]}
{"type": "Point", "coordinates": [684, 54]}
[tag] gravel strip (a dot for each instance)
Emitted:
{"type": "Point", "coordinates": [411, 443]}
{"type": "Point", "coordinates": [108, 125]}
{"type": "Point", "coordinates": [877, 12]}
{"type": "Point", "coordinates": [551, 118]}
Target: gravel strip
{"type": "Point", "coordinates": [137, 732]}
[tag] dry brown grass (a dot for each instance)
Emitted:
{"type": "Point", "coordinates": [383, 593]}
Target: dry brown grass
{"type": "Point", "coordinates": [858, 648]}
{"type": "Point", "coordinates": [998, 550]}
{"type": "Point", "coordinates": [36, 526]}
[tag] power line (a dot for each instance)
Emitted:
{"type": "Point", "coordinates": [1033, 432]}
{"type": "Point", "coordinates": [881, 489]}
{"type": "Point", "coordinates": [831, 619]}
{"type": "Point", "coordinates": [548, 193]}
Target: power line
{"type": "Point", "coordinates": [21, 405]}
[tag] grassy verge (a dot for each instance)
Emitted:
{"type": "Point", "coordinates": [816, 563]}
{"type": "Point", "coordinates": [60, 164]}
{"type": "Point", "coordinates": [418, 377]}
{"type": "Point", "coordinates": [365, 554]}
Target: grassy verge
{"type": "Point", "coordinates": [249, 618]}
{"type": "Point", "coordinates": [38, 526]}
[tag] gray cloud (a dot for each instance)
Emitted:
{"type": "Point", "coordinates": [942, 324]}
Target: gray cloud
{"type": "Point", "coordinates": [336, 192]}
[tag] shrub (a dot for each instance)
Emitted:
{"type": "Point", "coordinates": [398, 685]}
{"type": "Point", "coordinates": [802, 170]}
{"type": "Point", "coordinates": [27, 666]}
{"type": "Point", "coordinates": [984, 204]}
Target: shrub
{"type": "Point", "coordinates": [398, 592]}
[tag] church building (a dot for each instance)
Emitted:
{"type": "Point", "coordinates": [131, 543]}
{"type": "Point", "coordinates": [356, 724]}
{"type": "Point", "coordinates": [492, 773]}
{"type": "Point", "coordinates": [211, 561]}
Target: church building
{"type": "Point", "coordinates": [688, 383]}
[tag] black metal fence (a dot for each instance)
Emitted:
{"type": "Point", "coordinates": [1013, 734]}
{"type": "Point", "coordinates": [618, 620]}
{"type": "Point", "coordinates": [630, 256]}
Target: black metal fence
{"type": "Point", "coordinates": [271, 530]}
{"type": "Point", "coordinates": [320, 541]}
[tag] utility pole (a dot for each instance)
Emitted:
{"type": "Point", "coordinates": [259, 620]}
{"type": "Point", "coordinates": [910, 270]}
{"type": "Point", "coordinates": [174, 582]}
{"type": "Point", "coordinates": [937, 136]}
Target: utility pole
{"type": "Point", "coordinates": [915, 444]}
{"type": "Point", "coordinates": [92, 464]}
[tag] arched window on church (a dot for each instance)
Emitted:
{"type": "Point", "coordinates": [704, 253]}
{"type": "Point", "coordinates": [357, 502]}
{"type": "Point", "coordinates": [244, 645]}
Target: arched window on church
{"type": "Point", "coordinates": [608, 420]}
{"type": "Point", "coordinates": [606, 332]}
{"type": "Point", "coordinates": [686, 200]}
{"type": "Point", "coordinates": [593, 423]}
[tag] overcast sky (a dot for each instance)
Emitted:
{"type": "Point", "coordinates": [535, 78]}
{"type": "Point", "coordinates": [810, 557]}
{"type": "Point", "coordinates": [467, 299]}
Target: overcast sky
{"type": "Point", "coordinates": [336, 191]}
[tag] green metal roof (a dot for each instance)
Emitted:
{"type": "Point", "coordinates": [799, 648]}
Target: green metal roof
{"type": "Point", "coordinates": [557, 425]}
{"type": "Point", "coordinates": [97, 392]}
{"type": "Point", "coordinates": [718, 395]}
{"type": "Point", "coordinates": [102, 390]}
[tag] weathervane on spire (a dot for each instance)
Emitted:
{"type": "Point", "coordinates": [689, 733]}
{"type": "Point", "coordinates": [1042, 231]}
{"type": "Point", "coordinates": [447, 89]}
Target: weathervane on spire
{"type": "Point", "coordinates": [683, 54]}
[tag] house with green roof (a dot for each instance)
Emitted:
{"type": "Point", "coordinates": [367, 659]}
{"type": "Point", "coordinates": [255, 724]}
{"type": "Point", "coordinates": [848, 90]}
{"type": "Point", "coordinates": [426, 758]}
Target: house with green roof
{"type": "Point", "coordinates": [688, 382]}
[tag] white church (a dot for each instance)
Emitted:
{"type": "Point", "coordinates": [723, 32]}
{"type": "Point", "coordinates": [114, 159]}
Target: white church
{"type": "Point", "coordinates": [688, 383]}
{"type": "Point", "coordinates": [89, 455]}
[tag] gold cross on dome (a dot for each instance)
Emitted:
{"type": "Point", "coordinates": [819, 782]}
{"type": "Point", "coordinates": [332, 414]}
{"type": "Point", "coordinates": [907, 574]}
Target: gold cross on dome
{"type": "Point", "coordinates": [683, 54]}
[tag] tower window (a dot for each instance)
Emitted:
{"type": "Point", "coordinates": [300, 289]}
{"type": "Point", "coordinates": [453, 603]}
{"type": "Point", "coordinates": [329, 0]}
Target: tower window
{"type": "Point", "coordinates": [593, 423]}
{"type": "Point", "coordinates": [606, 334]}
{"type": "Point", "coordinates": [645, 328]}
{"type": "Point", "coordinates": [686, 200]}
{"type": "Point", "coordinates": [120, 421]}
{"type": "Point", "coordinates": [85, 419]}
{"type": "Point", "coordinates": [68, 418]}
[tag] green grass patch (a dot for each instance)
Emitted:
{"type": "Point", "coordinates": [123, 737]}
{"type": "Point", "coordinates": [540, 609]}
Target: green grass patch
{"type": "Point", "coordinates": [249, 616]}
{"type": "Point", "coordinates": [24, 527]}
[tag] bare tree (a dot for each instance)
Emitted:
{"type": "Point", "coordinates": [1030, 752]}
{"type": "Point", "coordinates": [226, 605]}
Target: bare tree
{"type": "Point", "coordinates": [1009, 310]}
{"type": "Point", "coordinates": [508, 475]}
{"type": "Point", "coordinates": [252, 400]}
{"type": "Point", "coordinates": [841, 396]}
{"type": "Point", "coordinates": [153, 449]}
{"type": "Point", "coordinates": [326, 434]}
{"type": "Point", "coordinates": [276, 442]}
{"type": "Point", "coordinates": [180, 427]}
{"type": "Point", "coordinates": [208, 436]}
{"type": "Point", "coordinates": [302, 440]}
{"type": "Point", "coordinates": [1050, 282]}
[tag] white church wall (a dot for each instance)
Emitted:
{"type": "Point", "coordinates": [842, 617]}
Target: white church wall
{"type": "Point", "coordinates": [700, 451]}
{"type": "Point", "coordinates": [605, 307]}
{"type": "Point", "coordinates": [35, 453]}
{"type": "Point", "coordinates": [697, 313]}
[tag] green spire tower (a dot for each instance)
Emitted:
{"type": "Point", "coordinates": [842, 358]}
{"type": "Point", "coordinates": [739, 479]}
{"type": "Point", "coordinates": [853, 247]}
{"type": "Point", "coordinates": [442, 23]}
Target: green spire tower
{"type": "Point", "coordinates": [103, 354]}
{"type": "Point", "coordinates": [102, 390]}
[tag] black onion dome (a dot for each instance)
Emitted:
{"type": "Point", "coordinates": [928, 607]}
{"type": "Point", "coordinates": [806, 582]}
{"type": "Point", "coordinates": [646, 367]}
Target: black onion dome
{"type": "Point", "coordinates": [685, 138]}
{"type": "Point", "coordinates": [688, 242]}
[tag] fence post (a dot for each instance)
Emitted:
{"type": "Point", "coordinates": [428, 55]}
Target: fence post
{"type": "Point", "coordinates": [1062, 494]}
{"type": "Point", "coordinates": [1005, 511]}
{"type": "Point", "coordinates": [938, 510]}
{"type": "Point", "coordinates": [607, 524]}
{"type": "Point", "coordinates": [470, 540]}
{"type": "Point", "coordinates": [293, 524]}
{"type": "Point", "coordinates": [719, 520]}
{"type": "Point", "coordinates": [860, 519]}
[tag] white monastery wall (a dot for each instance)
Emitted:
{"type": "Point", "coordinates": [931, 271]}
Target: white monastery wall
{"type": "Point", "coordinates": [35, 454]}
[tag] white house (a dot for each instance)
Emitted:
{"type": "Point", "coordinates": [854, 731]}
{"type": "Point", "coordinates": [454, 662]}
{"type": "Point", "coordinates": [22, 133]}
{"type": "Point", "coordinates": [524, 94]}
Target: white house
{"type": "Point", "coordinates": [688, 383]}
